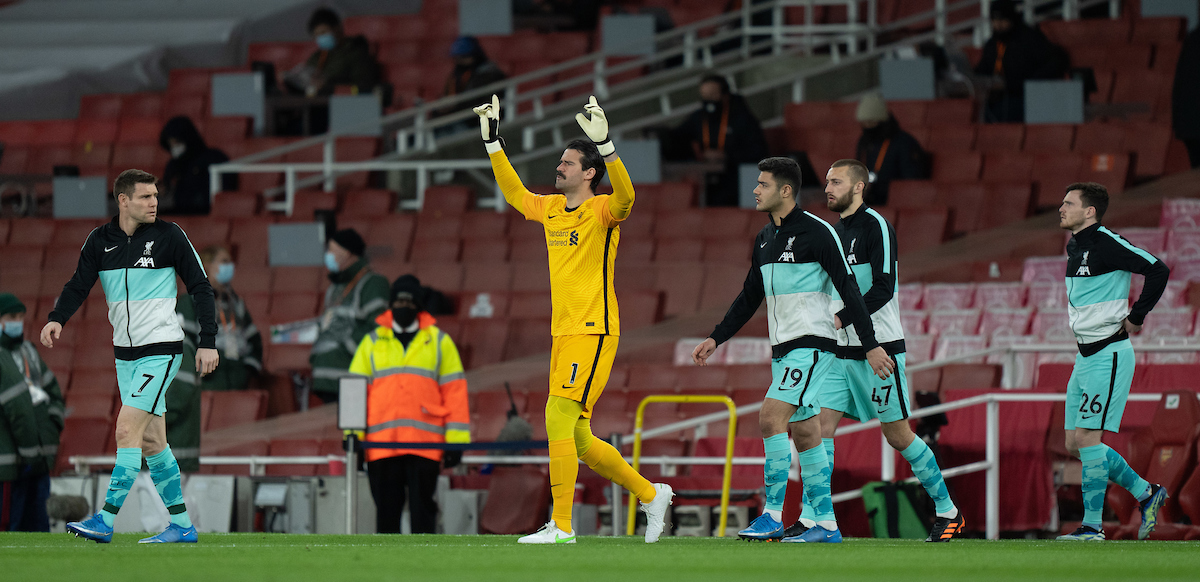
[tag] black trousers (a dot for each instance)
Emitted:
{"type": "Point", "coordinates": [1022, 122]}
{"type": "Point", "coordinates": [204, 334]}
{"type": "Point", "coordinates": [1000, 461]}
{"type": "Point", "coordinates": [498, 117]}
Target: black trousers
{"type": "Point", "coordinates": [394, 477]}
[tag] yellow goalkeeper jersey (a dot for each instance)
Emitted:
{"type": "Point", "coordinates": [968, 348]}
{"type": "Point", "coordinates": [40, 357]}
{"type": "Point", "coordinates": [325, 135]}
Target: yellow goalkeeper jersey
{"type": "Point", "coordinates": [582, 248]}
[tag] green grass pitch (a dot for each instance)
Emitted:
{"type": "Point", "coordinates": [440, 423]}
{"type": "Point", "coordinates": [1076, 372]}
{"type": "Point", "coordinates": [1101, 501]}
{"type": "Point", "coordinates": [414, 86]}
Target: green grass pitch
{"type": "Point", "coordinates": [220, 557]}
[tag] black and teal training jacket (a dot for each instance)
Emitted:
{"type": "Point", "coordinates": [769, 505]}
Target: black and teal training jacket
{"type": "Point", "coordinates": [138, 276]}
{"type": "Point", "coordinates": [1099, 266]}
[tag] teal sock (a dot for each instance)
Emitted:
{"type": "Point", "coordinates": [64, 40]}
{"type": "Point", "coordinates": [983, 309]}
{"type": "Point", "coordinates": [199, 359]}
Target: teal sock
{"type": "Point", "coordinates": [925, 467]}
{"type": "Point", "coordinates": [1095, 481]}
{"type": "Point", "coordinates": [775, 470]}
{"type": "Point", "coordinates": [129, 462]}
{"type": "Point", "coordinates": [1122, 474]}
{"type": "Point", "coordinates": [807, 511]}
{"type": "Point", "coordinates": [815, 471]}
{"type": "Point", "coordinates": [164, 471]}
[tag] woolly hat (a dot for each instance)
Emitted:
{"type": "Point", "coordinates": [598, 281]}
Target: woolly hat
{"type": "Point", "coordinates": [349, 239]}
{"type": "Point", "coordinates": [871, 109]}
{"type": "Point", "coordinates": [408, 287]}
{"type": "Point", "coordinates": [10, 304]}
{"type": "Point", "coordinates": [464, 46]}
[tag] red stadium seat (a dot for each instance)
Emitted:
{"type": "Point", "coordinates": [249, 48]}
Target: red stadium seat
{"type": "Point", "coordinates": [921, 228]}
{"type": "Point", "coordinates": [909, 113]}
{"type": "Point", "coordinates": [139, 130]}
{"type": "Point", "coordinates": [912, 193]}
{"type": "Point", "coordinates": [1050, 139]}
{"type": "Point", "coordinates": [682, 283]}
{"type": "Point", "coordinates": [948, 295]}
{"type": "Point", "coordinates": [1004, 204]}
{"type": "Point", "coordinates": [1008, 167]}
{"type": "Point", "coordinates": [678, 249]}
{"type": "Point", "coordinates": [290, 307]}
{"type": "Point", "coordinates": [486, 276]}
{"type": "Point", "coordinates": [100, 106]}
{"type": "Point", "coordinates": [83, 436]}
{"type": "Point", "coordinates": [248, 449]}
{"type": "Point", "coordinates": [518, 498]}
{"type": "Point", "coordinates": [142, 105]}
{"type": "Point", "coordinates": [529, 305]}
{"type": "Point", "coordinates": [237, 407]}
{"type": "Point", "coordinates": [999, 138]}
{"type": "Point", "coordinates": [677, 224]}
{"type": "Point", "coordinates": [1133, 86]}
{"type": "Point", "coordinates": [1112, 170]}
{"type": "Point", "coordinates": [1148, 142]}
{"type": "Point", "coordinates": [722, 284]}
{"type": "Point", "coordinates": [483, 250]}
{"type": "Point", "coordinates": [531, 276]}
{"type": "Point", "coordinates": [957, 167]}
{"type": "Point", "coordinates": [1000, 295]}
{"type": "Point", "coordinates": [1009, 321]}
{"type": "Point", "coordinates": [951, 138]}
{"type": "Point", "coordinates": [194, 107]}
{"type": "Point", "coordinates": [487, 226]}
{"type": "Point", "coordinates": [1090, 31]}
{"type": "Point", "coordinates": [1053, 174]}
{"type": "Point", "coordinates": [968, 376]}
{"type": "Point", "coordinates": [438, 228]}
{"type": "Point", "coordinates": [220, 132]}
{"type": "Point", "coordinates": [431, 251]}
{"type": "Point", "coordinates": [486, 340]}
{"type": "Point", "coordinates": [42, 160]}
{"type": "Point", "coordinates": [1157, 29]}
{"type": "Point", "coordinates": [965, 201]}
{"type": "Point", "coordinates": [100, 131]}
{"type": "Point", "coordinates": [14, 159]}
{"type": "Point", "coordinates": [954, 321]}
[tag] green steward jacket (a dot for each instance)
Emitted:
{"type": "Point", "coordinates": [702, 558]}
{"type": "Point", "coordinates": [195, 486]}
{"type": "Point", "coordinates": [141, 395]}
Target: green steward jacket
{"type": "Point", "coordinates": [31, 410]}
{"type": "Point", "coordinates": [356, 297]}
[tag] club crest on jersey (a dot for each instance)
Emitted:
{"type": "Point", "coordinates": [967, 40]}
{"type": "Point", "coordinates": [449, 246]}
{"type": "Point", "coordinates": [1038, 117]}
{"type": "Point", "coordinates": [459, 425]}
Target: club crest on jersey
{"type": "Point", "coordinates": [574, 238]}
{"type": "Point", "coordinates": [1085, 256]}
{"type": "Point", "coordinates": [851, 258]}
{"type": "Point", "coordinates": [149, 246]}
{"type": "Point", "coordinates": [791, 239]}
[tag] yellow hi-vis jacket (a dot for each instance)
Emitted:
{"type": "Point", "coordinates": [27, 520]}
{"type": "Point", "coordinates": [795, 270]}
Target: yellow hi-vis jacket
{"type": "Point", "coordinates": [413, 395]}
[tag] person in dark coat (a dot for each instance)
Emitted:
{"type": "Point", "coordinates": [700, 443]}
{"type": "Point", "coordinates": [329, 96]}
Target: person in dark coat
{"type": "Point", "coordinates": [890, 153]}
{"type": "Point", "coordinates": [186, 175]}
{"type": "Point", "coordinates": [724, 131]}
{"type": "Point", "coordinates": [338, 60]}
{"type": "Point", "coordinates": [1015, 53]}
{"type": "Point", "coordinates": [1185, 97]}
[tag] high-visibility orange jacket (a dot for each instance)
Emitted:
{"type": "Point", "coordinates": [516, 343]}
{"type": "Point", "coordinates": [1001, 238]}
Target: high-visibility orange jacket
{"type": "Point", "coordinates": [417, 394]}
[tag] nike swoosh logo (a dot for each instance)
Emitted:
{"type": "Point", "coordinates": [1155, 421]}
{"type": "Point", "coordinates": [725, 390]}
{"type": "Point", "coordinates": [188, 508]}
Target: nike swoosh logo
{"type": "Point", "coordinates": [107, 249]}
{"type": "Point", "coordinates": [1086, 417]}
{"type": "Point", "coordinates": [559, 540]}
{"type": "Point", "coordinates": [764, 245]}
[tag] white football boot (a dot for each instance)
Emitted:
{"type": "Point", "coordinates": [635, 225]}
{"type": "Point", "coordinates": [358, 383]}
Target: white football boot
{"type": "Point", "coordinates": [656, 511]}
{"type": "Point", "coordinates": [549, 534]}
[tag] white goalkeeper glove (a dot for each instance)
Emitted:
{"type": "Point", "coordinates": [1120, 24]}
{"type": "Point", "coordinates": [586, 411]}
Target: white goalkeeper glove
{"type": "Point", "coordinates": [596, 127]}
{"type": "Point", "coordinates": [489, 125]}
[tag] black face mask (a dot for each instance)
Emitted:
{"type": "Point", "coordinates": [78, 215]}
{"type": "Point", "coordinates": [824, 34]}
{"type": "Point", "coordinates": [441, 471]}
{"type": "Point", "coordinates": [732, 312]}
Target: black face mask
{"type": "Point", "coordinates": [404, 316]}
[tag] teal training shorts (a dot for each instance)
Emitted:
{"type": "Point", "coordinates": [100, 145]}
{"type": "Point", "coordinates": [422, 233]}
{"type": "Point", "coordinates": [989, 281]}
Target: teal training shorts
{"type": "Point", "coordinates": [856, 391]}
{"type": "Point", "coordinates": [1098, 388]}
{"type": "Point", "coordinates": [143, 382]}
{"type": "Point", "coordinates": [798, 377]}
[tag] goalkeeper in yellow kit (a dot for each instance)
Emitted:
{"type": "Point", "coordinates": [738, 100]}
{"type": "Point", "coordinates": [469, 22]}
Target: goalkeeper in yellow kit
{"type": "Point", "coordinates": [582, 232]}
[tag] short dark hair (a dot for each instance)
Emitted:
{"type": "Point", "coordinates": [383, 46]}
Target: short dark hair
{"type": "Point", "coordinates": [324, 16]}
{"type": "Point", "coordinates": [720, 80]}
{"type": "Point", "coordinates": [128, 181]}
{"type": "Point", "coordinates": [1092, 194]}
{"type": "Point", "coordinates": [785, 171]}
{"type": "Point", "coordinates": [858, 171]}
{"type": "Point", "coordinates": [591, 159]}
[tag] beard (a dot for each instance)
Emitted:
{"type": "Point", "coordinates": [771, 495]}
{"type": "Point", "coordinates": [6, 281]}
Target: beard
{"type": "Point", "coordinates": [839, 203]}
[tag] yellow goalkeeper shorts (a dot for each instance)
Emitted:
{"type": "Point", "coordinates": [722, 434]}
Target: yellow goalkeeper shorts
{"type": "Point", "coordinates": [579, 367]}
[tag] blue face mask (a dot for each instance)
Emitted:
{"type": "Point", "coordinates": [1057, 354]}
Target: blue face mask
{"type": "Point", "coordinates": [225, 273]}
{"type": "Point", "coordinates": [14, 328]}
{"type": "Point", "coordinates": [326, 41]}
{"type": "Point", "coordinates": [331, 262]}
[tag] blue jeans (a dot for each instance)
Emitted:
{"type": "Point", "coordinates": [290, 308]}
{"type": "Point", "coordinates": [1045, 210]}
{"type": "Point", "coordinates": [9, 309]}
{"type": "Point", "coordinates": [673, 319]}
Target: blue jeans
{"type": "Point", "coordinates": [23, 506]}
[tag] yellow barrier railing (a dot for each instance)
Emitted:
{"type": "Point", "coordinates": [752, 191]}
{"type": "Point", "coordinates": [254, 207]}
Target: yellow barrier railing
{"type": "Point", "coordinates": [637, 451]}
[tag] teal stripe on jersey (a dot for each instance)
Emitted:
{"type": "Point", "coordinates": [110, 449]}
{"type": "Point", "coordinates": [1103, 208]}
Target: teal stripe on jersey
{"type": "Point", "coordinates": [152, 284]}
{"type": "Point", "coordinates": [1112, 286]}
{"type": "Point", "coordinates": [864, 277]}
{"type": "Point", "coordinates": [789, 278]}
{"type": "Point", "coordinates": [836, 239]}
{"type": "Point", "coordinates": [887, 241]}
{"type": "Point", "coordinates": [113, 283]}
{"type": "Point", "coordinates": [1139, 252]}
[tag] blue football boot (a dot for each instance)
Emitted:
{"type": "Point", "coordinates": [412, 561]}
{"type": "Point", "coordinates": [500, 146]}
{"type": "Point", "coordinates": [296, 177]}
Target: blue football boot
{"type": "Point", "coordinates": [764, 527]}
{"type": "Point", "coordinates": [816, 535]}
{"type": "Point", "coordinates": [1150, 507]}
{"type": "Point", "coordinates": [92, 528]}
{"type": "Point", "coordinates": [174, 534]}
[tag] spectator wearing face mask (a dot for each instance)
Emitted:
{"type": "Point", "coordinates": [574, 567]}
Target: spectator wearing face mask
{"type": "Point", "coordinates": [416, 392]}
{"type": "Point", "coordinates": [338, 60]}
{"type": "Point", "coordinates": [890, 153]}
{"type": "Point", "coordinates": [186, 178]}
{"type": "Point", "coordinates": [355, 297]}
{"type": "Point", "coordinates": [241, 350]}
{"type": "Point", "coordinates": [31, 420]}
{"type": "Point", "coordinates": [723, 131]}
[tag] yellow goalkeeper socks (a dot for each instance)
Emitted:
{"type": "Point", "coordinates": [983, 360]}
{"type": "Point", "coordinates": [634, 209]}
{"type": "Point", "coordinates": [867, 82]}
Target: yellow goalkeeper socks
{"type": "Point", "coordinates": [608, 463]}
{"type": "Point", "coordinates": [564, 469]}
